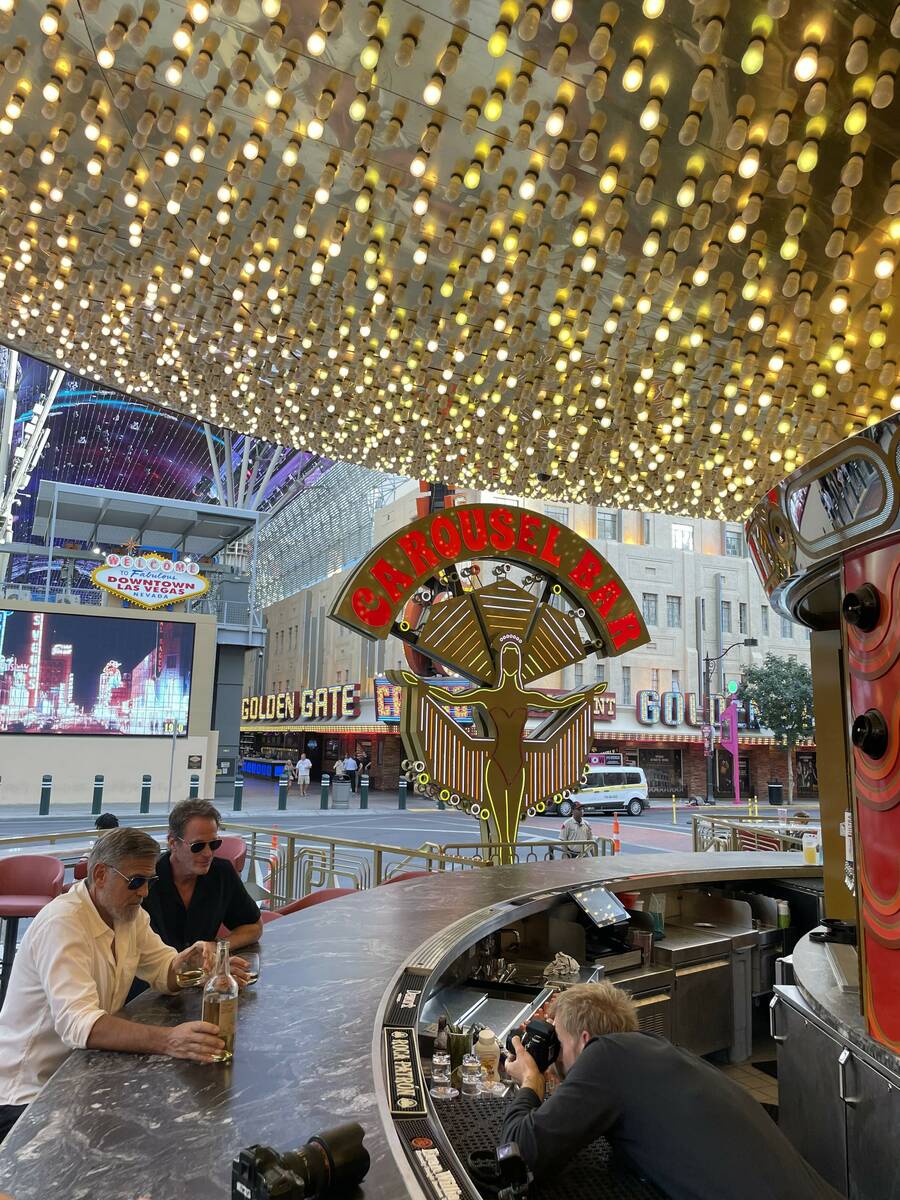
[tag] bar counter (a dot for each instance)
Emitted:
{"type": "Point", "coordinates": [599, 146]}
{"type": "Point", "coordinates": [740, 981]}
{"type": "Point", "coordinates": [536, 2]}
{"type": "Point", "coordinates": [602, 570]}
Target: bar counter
{"type": "Point", "coordinates": [308, 1051]}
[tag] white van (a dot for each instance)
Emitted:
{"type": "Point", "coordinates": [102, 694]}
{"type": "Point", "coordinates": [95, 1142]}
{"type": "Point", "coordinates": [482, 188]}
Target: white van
{"type": "Point", "coordinates": [610, 789]}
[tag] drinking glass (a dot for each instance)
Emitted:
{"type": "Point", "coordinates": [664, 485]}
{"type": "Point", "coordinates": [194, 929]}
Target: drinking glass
{"type": "Point", "coordinates": [471, 1075]}
{"type": "Point", "coordinates": [251, 958]}
{"type": "Point", "coordinates": [440, 1078]}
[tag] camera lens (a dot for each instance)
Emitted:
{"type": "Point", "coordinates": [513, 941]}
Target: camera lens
{"type": "Point", "coordinates": [346, 1157]}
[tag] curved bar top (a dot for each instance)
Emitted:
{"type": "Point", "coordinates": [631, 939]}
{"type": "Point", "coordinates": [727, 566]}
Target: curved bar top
{"type": "Point", "coordinates": [308, 1048]}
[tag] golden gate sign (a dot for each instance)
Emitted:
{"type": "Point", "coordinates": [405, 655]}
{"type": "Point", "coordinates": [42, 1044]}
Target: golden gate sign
{"type": "Point", "coordinates": [424, 585]}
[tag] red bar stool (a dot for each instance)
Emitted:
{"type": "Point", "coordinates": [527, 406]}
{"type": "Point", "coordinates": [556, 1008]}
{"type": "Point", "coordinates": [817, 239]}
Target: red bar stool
{"type": "Point", "coordinates": [27, 883]}
{"type": "Point", "coordinates": [404, 875]}
{"type": "Point", "coordinates": [235, 850]}
{"type": "Point", "coordinates": [314, 898]}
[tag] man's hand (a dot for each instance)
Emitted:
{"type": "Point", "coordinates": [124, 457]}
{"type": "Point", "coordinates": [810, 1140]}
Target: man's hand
{"type": "Point", "coordinates": [524, 1070]}
{"type": "Point", "coordinates": [240, 969]}
{"type": "Point", "coordinates": [196, 1040]}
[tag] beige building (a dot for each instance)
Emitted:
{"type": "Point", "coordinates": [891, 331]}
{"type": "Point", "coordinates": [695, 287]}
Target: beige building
{"type": "Point", "coordinates": [699, 594]}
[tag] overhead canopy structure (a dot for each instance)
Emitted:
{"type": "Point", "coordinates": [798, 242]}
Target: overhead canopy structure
{"type": "Point", "coordinates": [632, 253]}
{"type": "Point", "coordinates": [65, 512]}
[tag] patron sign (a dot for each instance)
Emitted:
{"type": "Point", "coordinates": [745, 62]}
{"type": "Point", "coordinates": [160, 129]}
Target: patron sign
{"type": "Point", "coordinates": [338, 701]}
{"type": "Point", "coordinates": [150, 580]}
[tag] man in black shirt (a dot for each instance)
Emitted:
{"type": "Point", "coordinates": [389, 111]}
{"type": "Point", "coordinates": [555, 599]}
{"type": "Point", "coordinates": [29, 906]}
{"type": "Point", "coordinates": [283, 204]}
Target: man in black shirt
{"type": "Point", "coordinates": [197, 892]}
{"type": "Point", "coordinates": [677, 1120]}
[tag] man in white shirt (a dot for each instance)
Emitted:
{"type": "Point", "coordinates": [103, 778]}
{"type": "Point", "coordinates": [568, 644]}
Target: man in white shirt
{"type": "Point", "coordinates": [351, 767]}
{"type": "Point", "coordinates": [576, 832]}
{"type": "Point", "coordinates": [73, 971]}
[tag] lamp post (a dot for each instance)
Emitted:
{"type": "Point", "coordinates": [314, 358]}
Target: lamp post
{"type": "Point", "coordinates": [709, 665]}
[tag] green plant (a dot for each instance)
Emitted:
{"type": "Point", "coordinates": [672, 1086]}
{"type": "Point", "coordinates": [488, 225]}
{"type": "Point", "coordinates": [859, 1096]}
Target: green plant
{"type": "Point", "coordinates": [782, 691]}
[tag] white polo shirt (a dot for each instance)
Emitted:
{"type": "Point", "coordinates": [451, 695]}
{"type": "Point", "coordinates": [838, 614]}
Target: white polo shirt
{"type": "Point", "coordinates": [70, 970]}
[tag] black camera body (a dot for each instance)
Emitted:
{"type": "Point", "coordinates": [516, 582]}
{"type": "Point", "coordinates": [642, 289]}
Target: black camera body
{"type": "Point", "coordinates": [540, 1040]}
{"type": "Point", "coordinates": [333, 1163]}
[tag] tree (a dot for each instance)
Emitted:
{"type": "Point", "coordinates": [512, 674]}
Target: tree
{"type": "Point", "coordinates": [782, 691]}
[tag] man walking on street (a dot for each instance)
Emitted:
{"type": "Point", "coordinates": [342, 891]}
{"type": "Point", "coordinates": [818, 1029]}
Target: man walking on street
{"type": "Point", "coordinates": [576, 833]}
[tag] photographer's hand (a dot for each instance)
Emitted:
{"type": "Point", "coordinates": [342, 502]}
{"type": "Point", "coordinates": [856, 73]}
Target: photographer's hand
{"type": "Point", "coordinates": [524, 1070]}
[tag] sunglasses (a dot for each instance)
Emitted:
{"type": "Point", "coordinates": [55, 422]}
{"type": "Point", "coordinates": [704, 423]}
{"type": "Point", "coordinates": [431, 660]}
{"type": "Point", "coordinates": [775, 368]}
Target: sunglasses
{"type": "Point", "coordinates": [136, 882]}
{"type": "Point", "coordinates": [196, 847]}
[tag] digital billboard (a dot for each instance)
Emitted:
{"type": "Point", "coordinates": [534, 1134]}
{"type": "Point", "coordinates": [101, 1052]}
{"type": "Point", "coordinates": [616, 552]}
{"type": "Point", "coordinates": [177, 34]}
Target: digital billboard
{"type": "Point", "coordinates": [71, 673]}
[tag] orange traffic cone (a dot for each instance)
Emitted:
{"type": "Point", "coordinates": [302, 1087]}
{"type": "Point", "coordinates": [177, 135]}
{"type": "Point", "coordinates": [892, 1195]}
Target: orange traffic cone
{"type": "Point", "coordinates": [617, 845]}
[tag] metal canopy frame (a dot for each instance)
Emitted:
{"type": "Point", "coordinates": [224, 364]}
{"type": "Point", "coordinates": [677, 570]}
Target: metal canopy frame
{"type": "Point", "coordinates": [100, 515]}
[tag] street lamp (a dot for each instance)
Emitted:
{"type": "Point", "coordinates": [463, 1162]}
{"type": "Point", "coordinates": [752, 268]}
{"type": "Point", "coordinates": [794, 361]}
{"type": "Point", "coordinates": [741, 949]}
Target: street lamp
{"type": "Point", "coordinates": [709, 665]}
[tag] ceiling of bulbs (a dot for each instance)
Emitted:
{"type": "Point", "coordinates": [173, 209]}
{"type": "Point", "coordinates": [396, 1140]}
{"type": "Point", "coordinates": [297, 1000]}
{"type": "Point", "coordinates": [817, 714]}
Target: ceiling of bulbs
{"type": "Point", "coordinates": [630, 253]}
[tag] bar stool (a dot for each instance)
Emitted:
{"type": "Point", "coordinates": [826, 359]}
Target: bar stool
{"type": "Point", "coordinates": [234, 849]}
{"type": "Point", "coordinates": [319, 897]}
{"type": "Point", "coordinates": [404, 875]}
{"type": "Point", "coordinates": [27, 883]}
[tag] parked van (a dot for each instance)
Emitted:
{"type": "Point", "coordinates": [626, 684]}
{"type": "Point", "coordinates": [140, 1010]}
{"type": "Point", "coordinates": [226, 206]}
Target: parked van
{"type": "Point", "coordinates": [611, 789]}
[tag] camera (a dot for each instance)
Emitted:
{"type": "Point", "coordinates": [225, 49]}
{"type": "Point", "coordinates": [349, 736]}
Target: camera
{"type": "Point", "coordinates": [540, 1040]}
{"type": "Point", "coordinates": [501, 1173]}
{"type": "Point", "coordinates": [329, 1164]}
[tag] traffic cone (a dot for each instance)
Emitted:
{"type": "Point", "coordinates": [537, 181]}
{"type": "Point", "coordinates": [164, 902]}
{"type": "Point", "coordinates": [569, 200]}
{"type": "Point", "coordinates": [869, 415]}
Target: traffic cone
{"type": "Point", "coordinates": [617, 845]}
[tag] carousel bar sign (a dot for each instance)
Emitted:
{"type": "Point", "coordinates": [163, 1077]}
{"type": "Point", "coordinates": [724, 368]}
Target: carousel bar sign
{"type": "Point", "coordinates": [339, 700]}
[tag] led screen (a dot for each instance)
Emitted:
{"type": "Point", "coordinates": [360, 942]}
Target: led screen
{"type": "Point", "coordinates": [70, 673]}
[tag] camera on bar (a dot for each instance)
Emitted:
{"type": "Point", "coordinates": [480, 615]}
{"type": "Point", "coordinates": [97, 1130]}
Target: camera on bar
{"type": "Point", "coordinates": [540, 1040]}
{"type": "Point", "coordinates": [331, 1164]}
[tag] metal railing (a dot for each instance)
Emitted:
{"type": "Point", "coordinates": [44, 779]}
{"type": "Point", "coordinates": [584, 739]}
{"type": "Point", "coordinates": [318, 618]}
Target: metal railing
{"type": "Point", "coordinates": [744, 833]}
{"type": "Point", "coordinates": [526, 852]}
{"type": "Point", "coordinates": [286, 865]}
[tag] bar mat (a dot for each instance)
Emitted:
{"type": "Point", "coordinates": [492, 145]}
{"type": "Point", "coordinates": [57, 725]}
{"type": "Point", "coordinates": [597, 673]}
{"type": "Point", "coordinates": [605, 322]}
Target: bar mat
{"type": "Point", "coordinates": [474, 1123]}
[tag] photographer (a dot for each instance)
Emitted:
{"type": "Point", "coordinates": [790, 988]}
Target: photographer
{"type": "Point", "coordinates": [676, 1119]}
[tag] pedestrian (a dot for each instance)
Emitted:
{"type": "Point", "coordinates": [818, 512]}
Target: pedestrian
{"type": "Point", "coordinates": [351, 766]}
{"type": "Point", "coordinates": [576, 834]}
{"type": "Point", "coordinates": [304, 766]}
{"type": "Point", "coordinates": [339, 769]}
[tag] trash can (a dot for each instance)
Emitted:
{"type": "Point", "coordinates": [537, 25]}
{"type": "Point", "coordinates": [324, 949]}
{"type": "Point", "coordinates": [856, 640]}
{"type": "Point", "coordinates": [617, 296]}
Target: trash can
{"type": "Point", "coordinates": [340, 793]}
{"type": "Point", "coordinates": [776, 793]}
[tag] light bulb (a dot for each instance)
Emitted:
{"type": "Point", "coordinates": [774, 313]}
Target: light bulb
{"type": "Point", "coordinates": [498, 41]}
{"type": "Point", "coordinates": [555, 121]}
{"type": "Point", "coordinates": [199, 11]}
{"type": "Point", "coordinates": [49, 22]}
{"type": "Point", "coordinates": [251, 149]}
{"type": "Point", "coordinates": [433, 91]}
{"type": "Point", "coordinates": [315, 129]}
{"type": "Point", "coordinates": [753, 58]}
{"type": "Point", "coordinates": [105, 58]}
{"type": "Point", "coordinates": [634, 75]}
{"type": "Point", "coordinates": [272, 97]}
{"type": "Point", "coordinates": [418, 165]}
{"type": "Point", "coordinates": [315, 43]}
{"type": "Point", "coordinates": [884, 268]}
{"type": "Point", "coordinates": [174, 73]}
{"type": "Point", "coordinates": [270, 8]}
{"type": "Point", "coordinates": [181, 38]}
{"type": "Point", "coordinates": [358, 106]}
{"type": "Point", "coordinates": [807, 64]}
{"type": "Point", "coordinates": [51, 91]}
{"type": "Point", "coordinates": [561, 10]}
{"type": "Point", "coordinates": [653, 9]}
{"type": "Point", "coordinates": [749, 164]}
{"type": "Point", "coordinates": [370, 54]}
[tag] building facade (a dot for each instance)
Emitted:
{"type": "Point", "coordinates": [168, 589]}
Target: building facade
{"type": "Point", "coordinates": [701, 600]}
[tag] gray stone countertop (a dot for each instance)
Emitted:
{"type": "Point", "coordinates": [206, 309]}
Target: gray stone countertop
{"type": "Point", "coordinates": [136, 1127]}
{"type": "Point", "coordinates": [839, 1009]}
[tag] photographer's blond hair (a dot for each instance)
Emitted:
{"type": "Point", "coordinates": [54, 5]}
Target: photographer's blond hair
{"type": "Point", "coordinates": [598, 1008]}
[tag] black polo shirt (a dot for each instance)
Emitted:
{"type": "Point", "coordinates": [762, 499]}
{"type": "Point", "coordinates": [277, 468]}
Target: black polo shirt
{"type": "Point", "coordinates": [219, 898]}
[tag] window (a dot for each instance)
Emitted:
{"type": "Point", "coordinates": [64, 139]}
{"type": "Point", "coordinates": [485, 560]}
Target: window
{"type": "Point", "coordinates": [742, 619]}
{"type": "Point", "coordinates": [632, 777]}
{"type": "Point", "coordinates": [734, 543]}
{"type": "Point", "coordinates": [654, 679]}
{"type": "Point", "coordinates": [626, 685]}
{"type": "Point", "coordinates": [599, 672]}
{"type": "Point", "coordinates": [578, 674]}
{"type": "Point", "coordinates": [764, 614]}
{"type": "Point", "coordinates": [612, 779]}
{"type": "Point", "coordinates": [676, 681]}
{"type": "Point", "coordinates": [650, 606]}
{"type": "Point", "coordinates": [646, 530]}
{"type": "Point", "coordinates": [557, 512]}
{"type": "Point", "coordinates": [673, 612]}
{"type": "Point", "coordinates": [726, 616]}
{"type": "Point", "coordinates": [683, 537]}
{"type": "Point", "coordinates": [787, 627]}
{"type": "Point", "coordinates": [607, 525]}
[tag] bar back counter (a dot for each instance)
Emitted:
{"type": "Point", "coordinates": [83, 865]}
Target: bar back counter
{"type": "Point", "coordinates": [338, 1025]}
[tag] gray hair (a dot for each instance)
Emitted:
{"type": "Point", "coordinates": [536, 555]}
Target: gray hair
{"type": "Point", "coordinates": [120, 844]}
{"type": "Point", "coordinates": [184, 810]}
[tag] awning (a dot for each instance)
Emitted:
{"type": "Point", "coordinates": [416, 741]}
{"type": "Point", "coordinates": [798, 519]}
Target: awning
{"type": "Point", "coordinates": [335, 727]}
